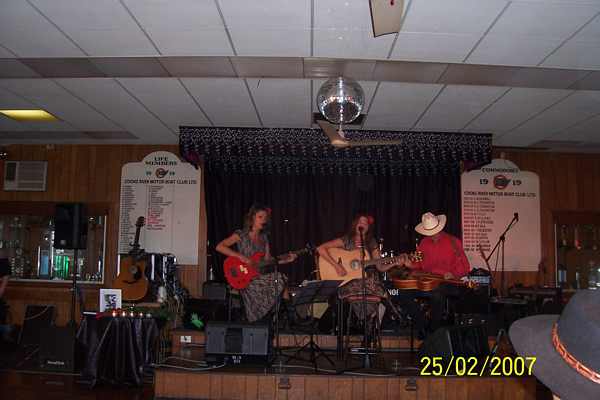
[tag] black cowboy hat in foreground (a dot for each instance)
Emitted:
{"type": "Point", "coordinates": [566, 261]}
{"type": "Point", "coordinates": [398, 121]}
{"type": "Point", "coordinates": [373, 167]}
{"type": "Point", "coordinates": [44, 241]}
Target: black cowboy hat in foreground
{"type": "Point", "coordinates": [567, 347]}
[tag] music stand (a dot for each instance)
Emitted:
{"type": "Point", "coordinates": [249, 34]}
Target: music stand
{"type": "Point", "coordinates": [314, 292]}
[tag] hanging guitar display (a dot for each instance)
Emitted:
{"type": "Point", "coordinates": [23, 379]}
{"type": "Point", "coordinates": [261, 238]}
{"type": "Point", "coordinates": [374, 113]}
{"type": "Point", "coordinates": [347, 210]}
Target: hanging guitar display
{"type": "Point", "coordinates": [239, 274]}
{"type": "Point", "coordinates": [132, 276]}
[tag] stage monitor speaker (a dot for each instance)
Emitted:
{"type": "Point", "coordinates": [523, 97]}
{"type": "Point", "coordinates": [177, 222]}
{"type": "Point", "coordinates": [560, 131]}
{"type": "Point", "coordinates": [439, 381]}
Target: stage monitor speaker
{"type": "Point", "coordinates": [57, 349]}
{"type": "Point", "coordinates": [458, 341]}
{"type": "Point", "coordinates": [38, 319]}
{"type": "Point", "coordinates": [70, 226]}
{"type": "Point", "coordinates": [238, 343]}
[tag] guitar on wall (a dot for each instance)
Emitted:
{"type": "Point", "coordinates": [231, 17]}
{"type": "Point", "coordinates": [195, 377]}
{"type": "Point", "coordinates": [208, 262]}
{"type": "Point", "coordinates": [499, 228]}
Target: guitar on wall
{"type": "Point", "coordinates": [132, 276]}
{"type": "Point", "coordinates": [239, 274]}
{"type": "Point", "coordinates": [350, 260]}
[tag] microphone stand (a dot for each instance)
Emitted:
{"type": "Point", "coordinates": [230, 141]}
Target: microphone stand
{"type": "Point", "coordinates": [366, 355]}
{"type": "Point", "coordinates": [500, 243]}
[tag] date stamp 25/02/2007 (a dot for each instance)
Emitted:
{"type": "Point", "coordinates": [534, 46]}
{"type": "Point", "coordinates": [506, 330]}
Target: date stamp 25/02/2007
{"type": "Point", "coordinates": [473, 366]}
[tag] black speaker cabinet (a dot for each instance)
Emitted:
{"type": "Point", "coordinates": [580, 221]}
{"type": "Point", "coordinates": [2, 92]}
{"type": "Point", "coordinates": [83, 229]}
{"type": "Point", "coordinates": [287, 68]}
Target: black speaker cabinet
{"type": "Point", "coordinates": [238, 343]}
{"type": "Point", "coordinates": [57, 349]}
{"type": "Point", "coordinates": [70, 226]}
{"type": "Point", "coordinates": [458, 341]}
{"type": "Point", "coordinates": [214, 291]}
{"type": "Point", "coordinates": [38, 319]}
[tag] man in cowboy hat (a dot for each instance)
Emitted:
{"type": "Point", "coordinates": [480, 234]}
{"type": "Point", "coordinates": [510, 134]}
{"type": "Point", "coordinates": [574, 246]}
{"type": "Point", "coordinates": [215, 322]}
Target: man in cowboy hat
{"type": "Point", "coordinates": [443, 255]}
{"type": "Point", "coordinates": [566, 347]}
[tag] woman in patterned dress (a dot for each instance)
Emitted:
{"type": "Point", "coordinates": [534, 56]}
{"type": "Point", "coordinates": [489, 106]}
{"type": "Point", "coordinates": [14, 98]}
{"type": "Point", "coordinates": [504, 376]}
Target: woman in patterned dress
{"type": "Point", "coordinates": [262, 293]}
{"type": "Point", "coordinates": [352, 241]}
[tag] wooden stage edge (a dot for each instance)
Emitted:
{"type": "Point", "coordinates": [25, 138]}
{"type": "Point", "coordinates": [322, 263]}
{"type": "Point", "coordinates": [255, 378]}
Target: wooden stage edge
{"type": "Point", "coordinates": [170, 384]}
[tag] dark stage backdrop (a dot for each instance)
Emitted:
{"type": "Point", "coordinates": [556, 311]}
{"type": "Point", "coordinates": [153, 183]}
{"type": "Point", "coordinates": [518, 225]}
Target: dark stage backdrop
{"type": "Point", "coordinates": [319, 208]}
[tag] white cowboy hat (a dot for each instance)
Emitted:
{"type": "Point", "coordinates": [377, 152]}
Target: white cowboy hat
{"type": "Point", "coordinates": [431, 224]}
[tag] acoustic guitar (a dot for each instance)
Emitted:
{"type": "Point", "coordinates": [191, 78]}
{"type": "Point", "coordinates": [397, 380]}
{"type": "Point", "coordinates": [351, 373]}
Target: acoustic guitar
{"type": "Point", "coordinates": [426, 282]}
{"type": "Point", "coordinates": [132, 276]}
{"type": "Point", "coordinates": [239, 274]}
{"type": "Point", "coordinates": [351, 261]}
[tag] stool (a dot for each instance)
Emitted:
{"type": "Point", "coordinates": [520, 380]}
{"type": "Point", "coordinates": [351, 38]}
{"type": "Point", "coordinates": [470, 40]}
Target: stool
{"type": "Point", "coordinates": [374, 330]}
{"type": "Point", "coordinates": [235, 293]}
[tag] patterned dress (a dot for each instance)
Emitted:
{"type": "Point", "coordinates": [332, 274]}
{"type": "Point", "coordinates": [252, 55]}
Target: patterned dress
{"type": "Point", "coordinates": [355, 287]}
{"type": "Point", "coordinates": [263, 292]}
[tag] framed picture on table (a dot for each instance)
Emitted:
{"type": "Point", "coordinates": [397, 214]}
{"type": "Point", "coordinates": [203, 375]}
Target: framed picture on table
{"type": "Point", "coordinates": [110, 299]}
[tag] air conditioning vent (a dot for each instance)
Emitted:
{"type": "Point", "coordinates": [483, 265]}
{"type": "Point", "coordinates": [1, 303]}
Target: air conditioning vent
{"type": "Point", "coordinates": [27, 176]}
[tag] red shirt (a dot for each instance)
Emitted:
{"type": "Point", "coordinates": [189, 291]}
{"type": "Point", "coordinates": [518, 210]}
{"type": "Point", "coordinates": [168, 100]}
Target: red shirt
{"type": "Point", "coordinates": [445, 255]}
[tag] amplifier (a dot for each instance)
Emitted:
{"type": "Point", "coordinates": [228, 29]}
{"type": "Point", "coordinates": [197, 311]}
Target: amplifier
{"type": "Point", "coordinates": [238, 343]}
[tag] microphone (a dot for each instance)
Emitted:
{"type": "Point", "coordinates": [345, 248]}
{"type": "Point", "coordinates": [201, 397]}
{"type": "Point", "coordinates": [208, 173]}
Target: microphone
{"type": "Point", "coordinates": [517, 216]}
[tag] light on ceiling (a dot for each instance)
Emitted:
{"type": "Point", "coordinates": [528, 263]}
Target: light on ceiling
{"type": "Point", "coordinates": [29, 115]}
{"type": "Point", "coordinates": [386, 16]}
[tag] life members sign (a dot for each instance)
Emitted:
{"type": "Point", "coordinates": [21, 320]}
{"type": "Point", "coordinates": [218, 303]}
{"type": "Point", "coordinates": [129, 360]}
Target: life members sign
{"type": "Point", "coordinates": [166, 192]}
{"type": "Point", "coordinates": [493, 197]}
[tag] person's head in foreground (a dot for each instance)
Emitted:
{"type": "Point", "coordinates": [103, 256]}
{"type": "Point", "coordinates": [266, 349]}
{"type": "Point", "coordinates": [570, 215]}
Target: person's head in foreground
{"type": "Point", "coordinates": [567, 347]}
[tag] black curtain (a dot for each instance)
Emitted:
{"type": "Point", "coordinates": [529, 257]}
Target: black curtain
{"type": "Point", "coordinates": [317, 208]}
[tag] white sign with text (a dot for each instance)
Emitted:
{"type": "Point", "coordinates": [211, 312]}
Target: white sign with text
{"type": "Point", "coordinates": [493, 197]}
{"type": "Point", "coordinates": [166, 192]}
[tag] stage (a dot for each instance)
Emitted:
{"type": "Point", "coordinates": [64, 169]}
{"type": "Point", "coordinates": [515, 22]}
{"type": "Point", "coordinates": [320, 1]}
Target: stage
{"type": "Point", "coordinates": [395, 374]}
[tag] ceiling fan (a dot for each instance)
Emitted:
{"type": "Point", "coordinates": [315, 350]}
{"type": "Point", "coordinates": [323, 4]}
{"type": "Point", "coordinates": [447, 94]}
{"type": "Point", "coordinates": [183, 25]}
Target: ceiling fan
{"type": "Point", "coordinates": [340, 100]}
{"type": "Point", "coordinates": [337, 137]}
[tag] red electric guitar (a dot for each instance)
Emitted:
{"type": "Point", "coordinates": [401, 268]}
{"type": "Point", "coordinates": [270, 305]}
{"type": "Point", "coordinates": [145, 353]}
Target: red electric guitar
{"type": "Point", "coordinates": [239, 274]}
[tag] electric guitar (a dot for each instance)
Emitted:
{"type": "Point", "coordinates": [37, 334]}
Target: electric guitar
{"type": "Point", "coordinates": [239, 274]}
{"type": "Point", "coordinates": [132, 276]}
{"type": "Point", "coordinates": [351, 261]}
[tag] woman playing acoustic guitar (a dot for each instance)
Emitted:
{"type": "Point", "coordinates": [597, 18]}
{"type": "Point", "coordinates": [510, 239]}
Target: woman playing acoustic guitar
{"type": "Point", "coordinates": [264, 290]}
{"type": "Point", "coordinates": [362, 224]}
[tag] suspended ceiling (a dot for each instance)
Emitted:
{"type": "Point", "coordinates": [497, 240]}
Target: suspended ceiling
{"type": "Point", "coordinates": [133, 71]}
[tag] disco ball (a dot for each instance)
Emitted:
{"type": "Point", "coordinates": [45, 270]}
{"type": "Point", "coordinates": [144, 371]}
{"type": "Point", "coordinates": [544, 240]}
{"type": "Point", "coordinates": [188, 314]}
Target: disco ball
{"type": "Point", "coordinates": [340, 100]}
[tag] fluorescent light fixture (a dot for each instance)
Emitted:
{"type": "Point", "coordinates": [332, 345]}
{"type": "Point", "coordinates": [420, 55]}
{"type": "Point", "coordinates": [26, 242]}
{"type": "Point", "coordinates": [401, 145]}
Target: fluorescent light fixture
{"type": "Point", "coordinates": [29, 115]}
{"type": "Point", "coordinates": [386, 16]}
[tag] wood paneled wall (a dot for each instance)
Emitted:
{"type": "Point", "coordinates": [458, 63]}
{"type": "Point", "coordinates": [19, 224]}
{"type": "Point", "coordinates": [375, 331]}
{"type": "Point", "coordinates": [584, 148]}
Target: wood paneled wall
{"type": "Point", "coordinates": [89, 174]}
{"type": "Point", "coordinates": [86, 173]}
{"type": "Point", "coordinates": [568, 182]}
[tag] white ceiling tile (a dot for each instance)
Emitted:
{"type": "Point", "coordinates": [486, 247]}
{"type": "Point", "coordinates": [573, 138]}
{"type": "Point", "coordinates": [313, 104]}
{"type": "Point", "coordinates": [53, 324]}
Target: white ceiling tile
{"type": "Point", "coordinates": [456, 16]}
{"type": "Point", "coordinates": [100, 27]}
{"type": "Point", "coordinates": [282, 102]}
{"type": "Point", "coordinates": [184, 27]}
{"type": "Point", "coordinates": [249, 41]}
{"type": "Point", "coordinates": [28, 34]}
{"type": "Point", "coordinates": [433, 47]}
{"type": "Point", "coordinates": [7, 124]}
{"type": "Point", "coordinates": [398, 105]}
{"type": "Point", "coordinates": [107, 96]}
{"type": "Point", "coordinates": [512, 50]}
{"type": "Point", "coordinates": [457, 105]}
{"type": "Point", "coordinates": [4, 53]}
{"type": "Point", "coordinates": [280, 14]}
{"type": "Point", "coordinates": [367, 86]}
{"type": "Point", "coordinates": [269, 27]}
{"type": "Point", "coordinates": [590, 33]}
{"type": "Point", "coordinates": [587, 131]}
{"type": "Point", "coordinates": [351, 43]}
{"type": "Point", "coordinates": [10, 101]}
{"type": "Point", "coordinates": [47, 95]}
{"type": "Point", "coordinates": [578, 55]}
{"type": "Point", "coordinates": [168, 99]}
{"type": "Point", "coordinates": [515, 107]}
{"type": "Point", "coordinates": [225, 100]}
{"type": "Point", "coordinates": [573, 109]}
{"type": "Point", "coordinates": [543, 20]}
